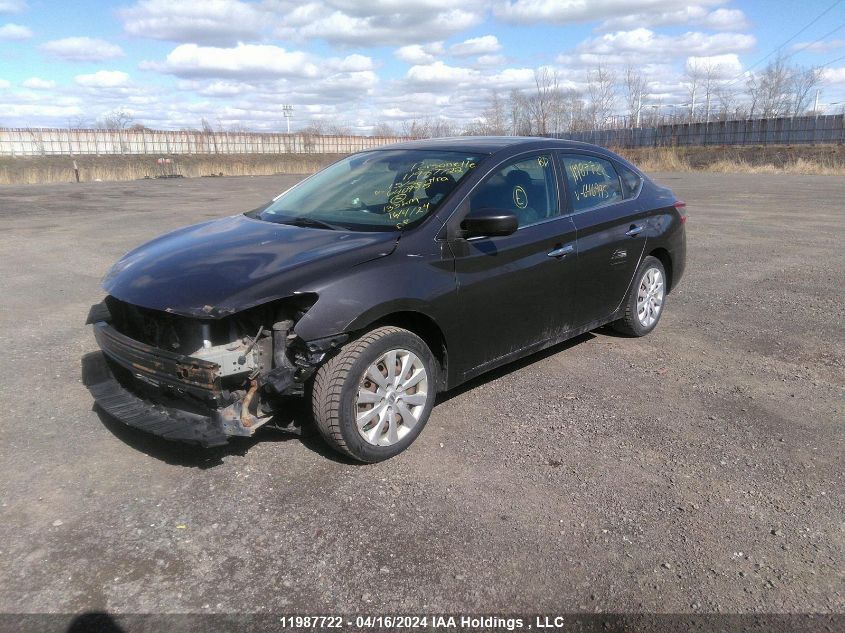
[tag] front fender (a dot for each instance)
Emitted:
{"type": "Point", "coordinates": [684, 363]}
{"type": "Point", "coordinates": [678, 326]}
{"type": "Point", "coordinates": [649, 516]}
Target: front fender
{"type": "Point", "coordinates": [401, 282]}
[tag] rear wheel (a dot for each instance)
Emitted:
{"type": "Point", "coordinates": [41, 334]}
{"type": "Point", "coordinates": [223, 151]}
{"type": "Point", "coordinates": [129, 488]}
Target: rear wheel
{"type": "Point", "coordinates": [372, 399]}
{"type": "Point", "coordinates": [646, 299]}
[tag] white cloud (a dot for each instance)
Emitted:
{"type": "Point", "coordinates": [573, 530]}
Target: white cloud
{"type": "Point", "coordinates": [380, 23]}
{"type": "Point", "coordinates": [720, 66]}
{"type": "Point", "coordinates": [718, 20]}
{"type": "Point", "coordinates": [351, 63]}
{"type": "Point", "coordinates": [12, 31]}
{"type": "Point", "coordinates": [566, 11]}
{"type": "Point", "coordinates": [484, 45]}
{"type": "Point", "coordinates": [82, 49]}
{"type": "Point", "coordinates": [726, 20]}
{"type": "Point", "coordinates": [103, 79]}
{"type": "Point", "coordinates": [419, 53]}
{"type": "Point", "coordinates": [824, 46]}
{"type": "Point", "coordinates": [490, 60]}
{"type": "Point", "coordinates": [4, 84]}
{"type": "Point", "coordinates": [206, 22]}
{"type": "Point", "coordinates": [834, 76]}
{"type": "Point", "coordinates": [257, 62]}
{"type": "Point", "coordinates": [511, 78]}
{"type": "Point", "coordinates": [36, 83]}
{"type": "Point", "coordinates": [243, 60]}
{"type": "Point", "coordinates": [647, 44]}
{"type": "Point", "coordinates": [439, 73]}
{"type": "Point", "coordinates": [12, 6]}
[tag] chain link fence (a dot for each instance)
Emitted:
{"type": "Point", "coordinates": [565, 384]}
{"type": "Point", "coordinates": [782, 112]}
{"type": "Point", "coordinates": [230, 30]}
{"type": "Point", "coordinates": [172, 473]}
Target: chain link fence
{"type": "Point", "coordinates": [66, 142]}
{"type": "Point", "coordinates": [807, 130]}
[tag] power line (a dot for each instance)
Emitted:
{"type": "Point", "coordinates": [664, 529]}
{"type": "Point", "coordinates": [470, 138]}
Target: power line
{"type": "Point", "coordinates": [807, 26]}
{"type": "Point", "coordinates": [833, 61]}
{"type": "Point", "coordinates": [806, 46]}
{"type": "Point", "coordinates": [778, 48]}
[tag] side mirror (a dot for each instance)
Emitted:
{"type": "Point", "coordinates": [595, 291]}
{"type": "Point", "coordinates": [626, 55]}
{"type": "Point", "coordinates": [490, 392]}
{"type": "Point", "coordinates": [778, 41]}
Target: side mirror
{"type": "Point", "coordinates": [489, 223]}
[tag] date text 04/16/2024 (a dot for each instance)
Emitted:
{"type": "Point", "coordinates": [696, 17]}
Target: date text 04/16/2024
{"type": "Point", "coordinates": [446, 622]}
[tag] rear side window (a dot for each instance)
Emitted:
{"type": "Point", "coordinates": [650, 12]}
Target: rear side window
{"type": "Point", "coordinates": [631, 182]}
{"type": "Point", "coordinates": [592, 181]}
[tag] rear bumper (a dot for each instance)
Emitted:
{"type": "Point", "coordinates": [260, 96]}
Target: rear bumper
{"type": "Point", "coordinates": [679, 259]}
{"type": "Point", "coordinates": [168, 422]}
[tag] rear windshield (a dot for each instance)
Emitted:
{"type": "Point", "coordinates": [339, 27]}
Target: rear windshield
{"type": "Point", "coordinates": [382, 190]}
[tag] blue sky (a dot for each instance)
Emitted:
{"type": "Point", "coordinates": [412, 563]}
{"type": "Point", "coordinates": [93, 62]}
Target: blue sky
{"type": "Point", "coordinates": [171, 63]}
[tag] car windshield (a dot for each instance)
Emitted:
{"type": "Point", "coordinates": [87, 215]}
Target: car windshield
{"type": "Point", "coordinates": [382, 190]}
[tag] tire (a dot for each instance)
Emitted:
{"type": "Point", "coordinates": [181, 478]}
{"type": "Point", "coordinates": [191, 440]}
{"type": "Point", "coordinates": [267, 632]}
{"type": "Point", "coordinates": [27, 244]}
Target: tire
{"type": "Point", "coordinates": [341, 383]}
{"type": "Point", "coordinates": [634, 322]}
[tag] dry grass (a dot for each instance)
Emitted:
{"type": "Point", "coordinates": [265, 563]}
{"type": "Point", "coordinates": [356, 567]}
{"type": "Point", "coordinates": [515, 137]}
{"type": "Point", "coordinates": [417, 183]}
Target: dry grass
{"type": "Point", "coordinates": [658, 159]}
{"type": "Point", "coordinates": [817, 160]}
{"type": "Point", "coordinates": [799, 165]}
{"type": "Point", "coordinates": [823, 160]}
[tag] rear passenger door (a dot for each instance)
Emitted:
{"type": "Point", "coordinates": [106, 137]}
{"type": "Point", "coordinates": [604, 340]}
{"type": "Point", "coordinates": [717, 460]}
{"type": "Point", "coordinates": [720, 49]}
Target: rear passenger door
{"type": "Point", "coordinates": [610, 223]}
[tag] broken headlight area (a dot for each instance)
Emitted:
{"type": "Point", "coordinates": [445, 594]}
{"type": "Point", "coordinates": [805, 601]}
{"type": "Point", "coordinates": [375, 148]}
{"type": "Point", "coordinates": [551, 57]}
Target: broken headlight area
{"type": "Point", "coordinates": [201, 380]}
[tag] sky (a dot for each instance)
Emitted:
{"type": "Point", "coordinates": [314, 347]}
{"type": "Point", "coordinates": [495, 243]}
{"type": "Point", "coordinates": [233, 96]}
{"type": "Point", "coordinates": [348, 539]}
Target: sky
{"type": "Point", "coordinates": [235, 63]}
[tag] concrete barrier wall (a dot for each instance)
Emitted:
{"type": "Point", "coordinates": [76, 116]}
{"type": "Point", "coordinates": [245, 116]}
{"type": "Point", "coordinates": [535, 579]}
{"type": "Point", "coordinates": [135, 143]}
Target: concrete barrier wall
{"type": "Point", "coordinates": [61, 142]}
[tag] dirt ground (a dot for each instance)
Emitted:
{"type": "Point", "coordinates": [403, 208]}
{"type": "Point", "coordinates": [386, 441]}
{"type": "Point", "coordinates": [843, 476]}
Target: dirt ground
{"type": "Point", "coordinates": [699, 469]}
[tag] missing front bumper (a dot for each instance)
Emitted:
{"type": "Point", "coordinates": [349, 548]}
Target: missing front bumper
{"type": "Point", "coordinates": [167, 422]}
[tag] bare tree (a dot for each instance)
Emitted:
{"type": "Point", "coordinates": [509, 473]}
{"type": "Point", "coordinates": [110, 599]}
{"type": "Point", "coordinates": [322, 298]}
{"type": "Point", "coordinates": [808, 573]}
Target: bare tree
{"type": "Point", "coordinates": [770, 90]}
{"type": "Point", "coordinates": [116, 120]}
{"type": "Point", "coordinates": [337, 129]}
{"type": "Point", "coordinates": [695, 77]}
{"type": "Point", "coordinates": [711, 73]}
{"type": "Point", "coordinates": [520, 122]}
{"type": "Point", "coordinates": [383, 129]}
{"type": "Point", "coordinates": [79, 122]}
{"type": "Point", "coordinates": [803, 81]}
{"type": "Point", "coordinates": [494, 119]}
{"type": "Point", "coordinates": [635, 90]}
{"type": "Point", "coordinates": [439, 128]}
{"type": "Point", "coordinates": [601, 90]}
{"type": "Point", "coordinates": [725, 97]}
{"type": "Point", "coordinates": [541, 104]}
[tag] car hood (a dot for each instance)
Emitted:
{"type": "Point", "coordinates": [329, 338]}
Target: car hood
{"type": "Point", "coordinates": [223, 266]}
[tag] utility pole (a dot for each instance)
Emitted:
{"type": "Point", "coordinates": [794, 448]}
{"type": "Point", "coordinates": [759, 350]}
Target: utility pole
{"type": "Point", "coordinates": [287, 112]}
{"type": "Point", "coordinates": [816, 104]}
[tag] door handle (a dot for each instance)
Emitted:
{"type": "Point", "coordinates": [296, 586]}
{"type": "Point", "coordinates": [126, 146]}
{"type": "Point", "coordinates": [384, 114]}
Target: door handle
{"type": "Point", "coordinates": [562, 251]}
{"type": "Point", "coordinates": [635, 230]}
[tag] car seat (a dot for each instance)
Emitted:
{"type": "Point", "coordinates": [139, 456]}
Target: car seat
{"type": "Point", "coordinates": [436, 191]}
{"type": "Point", "coordinates": [523, 202]}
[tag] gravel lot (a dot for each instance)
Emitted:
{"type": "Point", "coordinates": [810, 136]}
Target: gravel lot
{"type": "Point", "coordinates": [699, 469]}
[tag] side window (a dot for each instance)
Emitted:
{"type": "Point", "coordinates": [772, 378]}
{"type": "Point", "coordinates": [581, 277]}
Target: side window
{"type": "Point", "coordinates": [592, 181]}
{"type": "Point", "coordinates": [526, 187]}
{"type": "Point", "coordinates": [630, 181]}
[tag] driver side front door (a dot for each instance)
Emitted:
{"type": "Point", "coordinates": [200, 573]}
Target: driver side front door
{"type": "Point", "coordinates": [515, 292]}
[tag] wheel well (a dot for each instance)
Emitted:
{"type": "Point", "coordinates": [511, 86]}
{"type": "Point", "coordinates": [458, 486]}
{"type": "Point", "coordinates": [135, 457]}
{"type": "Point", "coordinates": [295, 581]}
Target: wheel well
{"type": "Point", "coordinates": [663, 255]}
{"type": "Point", "coordinates": [423, 326]}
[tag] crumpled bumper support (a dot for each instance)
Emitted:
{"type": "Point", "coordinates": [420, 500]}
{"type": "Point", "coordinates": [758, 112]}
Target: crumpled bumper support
{"type": "Point", "coordinates": [134, 411]}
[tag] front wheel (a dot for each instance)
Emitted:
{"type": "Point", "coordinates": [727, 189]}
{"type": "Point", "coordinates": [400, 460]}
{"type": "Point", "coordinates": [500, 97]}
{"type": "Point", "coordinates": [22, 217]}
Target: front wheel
{"type": "Point", "coordinates": [373, 398]}
{"type": "Point", "coordinates": [646, 299]}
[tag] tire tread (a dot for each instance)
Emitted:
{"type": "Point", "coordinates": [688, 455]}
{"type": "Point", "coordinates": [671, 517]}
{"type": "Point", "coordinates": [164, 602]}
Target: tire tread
{"type": "Point", "coordinates": [328, 383]}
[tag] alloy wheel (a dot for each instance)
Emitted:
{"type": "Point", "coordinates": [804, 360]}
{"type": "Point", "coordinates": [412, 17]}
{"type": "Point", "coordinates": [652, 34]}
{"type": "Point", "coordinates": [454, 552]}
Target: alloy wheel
{"type": "Point", "coordinates": [650, 297]}
{"type": "Point", "coordinates": [392, 395]}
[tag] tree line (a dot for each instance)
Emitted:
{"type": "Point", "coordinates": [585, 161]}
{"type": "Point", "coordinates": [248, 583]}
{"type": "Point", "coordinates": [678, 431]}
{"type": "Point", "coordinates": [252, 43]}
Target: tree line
{"type": "Point", "coordinates": [612, 98]}
{"type": "Point", "coordinates": [608, 99]}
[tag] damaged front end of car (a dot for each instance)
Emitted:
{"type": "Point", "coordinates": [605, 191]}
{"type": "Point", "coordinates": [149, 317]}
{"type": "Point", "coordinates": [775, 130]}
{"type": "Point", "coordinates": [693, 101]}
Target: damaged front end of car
{"type": "Point", "coordinates": [201, 380]}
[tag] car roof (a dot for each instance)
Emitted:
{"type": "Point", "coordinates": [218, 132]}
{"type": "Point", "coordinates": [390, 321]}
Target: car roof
{"type": "Point", "coordinates": [490, 144]}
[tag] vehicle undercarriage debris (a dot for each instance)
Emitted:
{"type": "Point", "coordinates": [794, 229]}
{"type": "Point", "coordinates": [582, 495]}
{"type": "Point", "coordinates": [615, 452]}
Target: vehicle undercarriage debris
{"type": "Point", "coordinates": [224, 377]}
